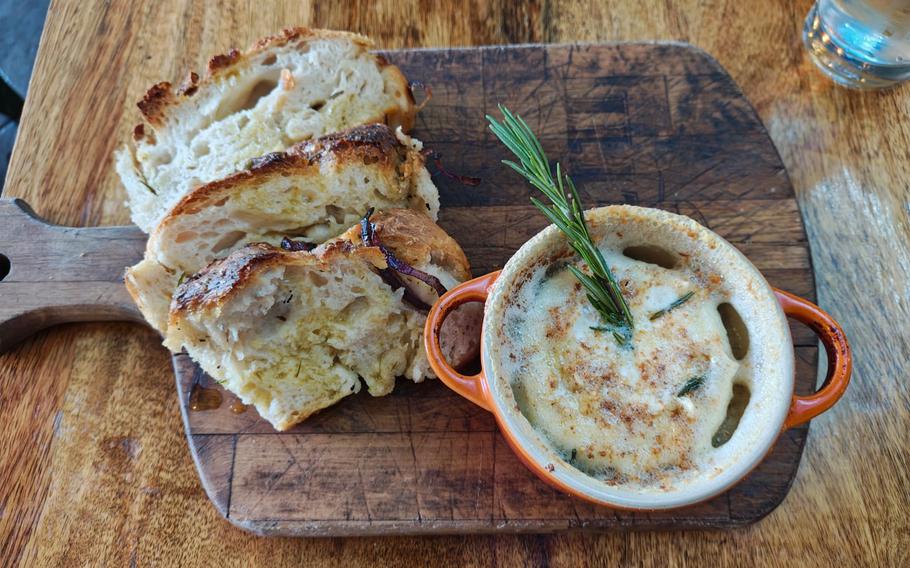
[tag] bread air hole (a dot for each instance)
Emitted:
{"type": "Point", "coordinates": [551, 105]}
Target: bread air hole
{"type": "Point", "coordinates": [270, 59]}
{"type": "Point", "coordinates": [227, 241]}
{"type": "Point", "coordinates": [317, 106]}
{"type": "Point", "coordinates": [249, 99]}
{"type": "Point", "coordinates": [162, 159]}
{"type": "Point", "coordinates": [357, 306]}
{"type": "Point", "coordinates": [652, 254]}
{"type": "Point", "coordinates": [318, 280]}
{"type": "Point", "coordinates": [185, 236]}
{"type": "Point", "coordinates": [737, 332]}
{"type": "Point", "coordinates": [291, 233]}
{"type": "Point", "coordinates": [336, 213]}
{"type": "Point", "coordinates": [278, 313]}
{"type": "Point", "coordinates": [735, 409]}
{"type": "Point", "coordinates": [259, 90]}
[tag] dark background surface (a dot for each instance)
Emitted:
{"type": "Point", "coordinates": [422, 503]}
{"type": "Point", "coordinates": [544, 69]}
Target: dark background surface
{"type": "Point", "coordinates": [21, 23]}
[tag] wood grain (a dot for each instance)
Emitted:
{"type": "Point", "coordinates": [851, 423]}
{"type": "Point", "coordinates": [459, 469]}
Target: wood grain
{"type": "Point", "coordinates": [64, 496]}
{"type": "Point", "coordinates": [363, 469]}
{"type": "Point", "coordinates": [53, 275]}
{"type": "Point", "coordinates": [423, 460]}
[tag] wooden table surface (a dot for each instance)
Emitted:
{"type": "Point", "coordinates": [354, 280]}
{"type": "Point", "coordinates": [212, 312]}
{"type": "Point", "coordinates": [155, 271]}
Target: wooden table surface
{"type": "Point", "coordinates": [94, 467]}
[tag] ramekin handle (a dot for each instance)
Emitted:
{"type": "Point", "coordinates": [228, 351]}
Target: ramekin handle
{"type": "Point", "coordinates": [473, 387]}
{"type": "Point", "coordinates": [840, 360]}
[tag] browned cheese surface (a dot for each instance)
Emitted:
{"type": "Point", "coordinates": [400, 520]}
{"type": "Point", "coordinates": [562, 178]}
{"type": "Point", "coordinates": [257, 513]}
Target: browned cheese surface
{"type": "Point", "coordinates": [96, 467]}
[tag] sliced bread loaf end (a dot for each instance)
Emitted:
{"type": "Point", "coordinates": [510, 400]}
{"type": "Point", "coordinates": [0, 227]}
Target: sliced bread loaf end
{"type": "Point", "coordinates": [312, 192]}
{"type": "Point", "coordinates": [291, 332]}
{"type": "Point", "coordinates": [292, 87]}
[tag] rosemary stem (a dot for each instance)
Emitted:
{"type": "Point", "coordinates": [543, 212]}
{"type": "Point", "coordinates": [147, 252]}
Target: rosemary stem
{"type": "Point", "coordinates": [566, 212]}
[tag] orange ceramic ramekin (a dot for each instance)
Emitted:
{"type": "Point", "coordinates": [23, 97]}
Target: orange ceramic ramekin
{"type": "Point", "coordinates": [774, 406]}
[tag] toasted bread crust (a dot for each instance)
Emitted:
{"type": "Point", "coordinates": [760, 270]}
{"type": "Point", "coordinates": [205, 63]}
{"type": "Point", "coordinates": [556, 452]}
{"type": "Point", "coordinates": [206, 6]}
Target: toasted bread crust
{"type": "Point", "coordinates": [405, 114]}
{"type": "Point", "coordinates": [416, 239]}
{"type": "Point", "coordinates": [190, 84]}
{"type": "Point", "coordinates": [136, 294]}
{"type": "Point", "coordinates": [161, 96]}
{"type": "Point", "coordinates": [215, 283]}
{"type": "Point", "coordinates": [412, 237]}
{"type": "Point", "coordinates": [153, 103]}
{"type": "Point", "coordinates": [289, 35]}
{"type": "Point", "coordinates": [373, 143]}
{"type": "Point", "coordinates": [223, 61]}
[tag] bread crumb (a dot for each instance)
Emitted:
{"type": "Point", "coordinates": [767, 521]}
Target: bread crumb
{"type": "Point", "coordinates": [406, 140]}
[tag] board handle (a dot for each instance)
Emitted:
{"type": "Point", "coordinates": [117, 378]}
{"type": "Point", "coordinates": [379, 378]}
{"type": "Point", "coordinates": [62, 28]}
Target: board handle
{"type": "Point", "coordinates": [51, 274]}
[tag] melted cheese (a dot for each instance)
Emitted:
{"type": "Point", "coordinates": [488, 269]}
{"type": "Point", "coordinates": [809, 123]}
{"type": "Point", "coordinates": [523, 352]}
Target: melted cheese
{"type": "Point", "coordinates": [616, 412]}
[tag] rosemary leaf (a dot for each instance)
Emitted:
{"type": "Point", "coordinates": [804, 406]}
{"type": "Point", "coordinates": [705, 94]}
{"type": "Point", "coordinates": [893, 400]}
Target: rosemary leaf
{"type": "Point", "coordinates": [691, 385]}
{"type": "Point", "coordinates": [682, 300]}
{"type": "Point", "coordinates": [148, 187]}
{"type": "Point", "coordinates": [566, 212]}
{"type": "Point", "coordinates": [623, 335]}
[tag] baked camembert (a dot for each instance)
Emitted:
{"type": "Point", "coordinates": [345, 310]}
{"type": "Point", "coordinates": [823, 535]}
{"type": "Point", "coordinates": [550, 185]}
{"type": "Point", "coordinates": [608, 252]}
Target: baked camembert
{"type": "Point", "coordinates": [648, 413]}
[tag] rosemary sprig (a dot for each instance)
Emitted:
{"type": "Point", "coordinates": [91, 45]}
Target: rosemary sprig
{"type": "Point", "coordinates": [691, 385]}
{"type": "Point", "coordinates": [682, 300]}
{"type": "Point", "coordinates": [565, 211]}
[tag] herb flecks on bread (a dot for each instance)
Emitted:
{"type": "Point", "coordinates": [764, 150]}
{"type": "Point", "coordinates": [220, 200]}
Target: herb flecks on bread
{"type": "Point", "coordinates": [288, 88]}
{"type": "Point", "coordinates": [291, 331]}
{"type": "Point", "coordinates": [312, 192]}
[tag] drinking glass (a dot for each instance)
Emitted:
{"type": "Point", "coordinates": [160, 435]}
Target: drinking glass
{"type": "Point", "coordinates": [862, 44]}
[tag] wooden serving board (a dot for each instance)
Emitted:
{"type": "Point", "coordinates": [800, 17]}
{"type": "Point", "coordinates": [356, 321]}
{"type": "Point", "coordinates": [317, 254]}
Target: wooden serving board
{"type": "Point", "coordinates": [652, 124]}
{"type": "Point", "coordinates": [659, 125]}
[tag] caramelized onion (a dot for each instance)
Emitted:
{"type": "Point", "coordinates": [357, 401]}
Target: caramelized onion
{"type": "Point", "coordinates": [293, 246]}
{"type": "Point", "coordinates": [427, 93]}
{"type": "Point", "coordinates": [437, 161]}
{"type": "Point", "coordinates": [408, 270]}
{"type": "Point", "coordinates": [397, 266]}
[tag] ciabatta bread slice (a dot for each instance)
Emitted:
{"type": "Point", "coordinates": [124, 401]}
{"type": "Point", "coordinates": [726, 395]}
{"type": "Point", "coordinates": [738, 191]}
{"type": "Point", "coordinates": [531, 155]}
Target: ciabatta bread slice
{"type": "Point", "coordinates": [291, 332]}
{"type": "Point", "coordinates": [295, 86]}
{"type": "Point", "coordinates": [313, 192]}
